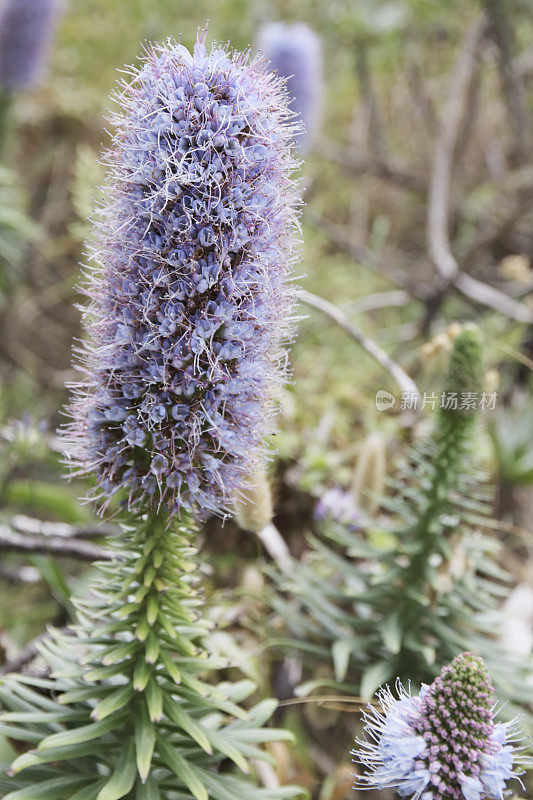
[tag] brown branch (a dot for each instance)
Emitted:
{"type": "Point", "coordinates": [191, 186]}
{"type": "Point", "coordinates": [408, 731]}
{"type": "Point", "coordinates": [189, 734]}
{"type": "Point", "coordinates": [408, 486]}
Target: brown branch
{"type": "Point", "coordinates": [25, 656]}
{"type": "Point", "coordinates": [374, 126]}
{"type": "Point", "coordinates": [450, 127]}
{"type": "Point", "coordinates": [62, 530]}
{"type": "Point", "coordinates": [12, 541]}
{"type": "Point", "coordinates": [275, 545]}
{"type": "Point", "coordinates": [363, 255]}
{"type": "Point", "coordinates": [372, 302]}
{"type": "Point", "coordinates": [24, 574]}
{"type": "Point", "coordinates": [379, 355]}
{"type": "Point", "coordinates": [486, 295]}
{"type": "Point", "coordinates": [439, 194]}
{"type": "Point", "coordinates": [513, 91]}
{"type": "Point", "coordinates": [356, 164]}
{"type": "Point", "coordinates": [421, 97]}
{"type": "Point", "coordinates": [523, 65]}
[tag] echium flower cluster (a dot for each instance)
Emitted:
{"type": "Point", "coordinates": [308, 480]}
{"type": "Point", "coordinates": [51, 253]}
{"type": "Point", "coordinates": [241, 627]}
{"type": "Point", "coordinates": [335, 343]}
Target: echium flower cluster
{"type": "Point", "coordinates": [190, 301]}
{"type": "Point", "coordinates": [295, 51]}
{"type": "Point", "coordinates": [443, 744]}
{"type": "Point", "coordinates": [26, 30]}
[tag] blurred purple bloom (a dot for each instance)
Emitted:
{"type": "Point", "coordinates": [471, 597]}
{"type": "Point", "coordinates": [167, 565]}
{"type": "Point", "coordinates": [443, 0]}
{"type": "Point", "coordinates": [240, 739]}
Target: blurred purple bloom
{"type": "Point", "coordinates": [338, 505]}
{"type": "Point", "coordinates": [189, 295]}
{"type": "Point", "coordinates": [443, 744]}
{"type": "Point", "coordinates": [26, 31]}
{"type": "Point", "coordinates": [295, 51]}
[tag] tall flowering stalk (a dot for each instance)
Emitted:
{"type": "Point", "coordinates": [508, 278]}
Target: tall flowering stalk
{"type": "Point", "coordinates": [26, 31]}
{"type": "Point", "coordinates": [444, 743]}
{"type": "Point", "coordinates": [189, 299]}
{"type": "Point", "coordinates": [295, 52]}
{"type": "Point", "coordinates": [188, 305]}
{"type": "Point", "coordinates": [406, 607]}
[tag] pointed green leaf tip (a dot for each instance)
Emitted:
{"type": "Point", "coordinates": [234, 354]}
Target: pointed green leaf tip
{"type": "Point", "coordinates": [465, 371]}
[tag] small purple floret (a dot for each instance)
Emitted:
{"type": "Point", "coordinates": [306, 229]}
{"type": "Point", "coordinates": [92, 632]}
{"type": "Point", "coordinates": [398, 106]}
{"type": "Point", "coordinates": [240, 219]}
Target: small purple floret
{"type": "Point", "coordinates": [443, 744]}
{"type": "Point", "coordinates": [189, 295]}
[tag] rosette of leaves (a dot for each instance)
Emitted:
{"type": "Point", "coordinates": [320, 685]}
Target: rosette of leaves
{"type": "Point", "coordinates": [124, 709]}
{"type": "Point", "coordinates": [407, 608]}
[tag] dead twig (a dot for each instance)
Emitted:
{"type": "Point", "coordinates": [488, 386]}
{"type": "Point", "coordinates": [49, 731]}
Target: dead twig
{"type": "Point", "coordinates": [373, 121]}
{"type": "Point", "coordinates": [422, 100]}
{"type": "Point", "coordinates": [36, 527]}
{"type": "Point", "coordinates": [513, 91]}
{"type": "Point", "coordinates": [403, 380]}
{"type": "Point", "coordinates": [451, 121]}
{"type": "Point", "coordinates": [363, 255]}
{"type": "Point", "coordinates": [486, 295]}
{"type": "Point", "coordinates": [377, 167]}
{"type": "Point", "coordinates": [439, 244]}
{"type": "Point", "coordinates": [13, 541]}
{"type": "Point", "coordinates": [372, 302]}
{"type": "Point", "coordinates": [26, 655]}
{"type": "Point", "coordinates": [275, 545]}
{"type": "Point", "coordinates": [24, 574]}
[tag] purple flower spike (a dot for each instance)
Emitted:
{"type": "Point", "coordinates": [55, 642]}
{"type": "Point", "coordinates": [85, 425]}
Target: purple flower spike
{"type": "Point", "coordinates": [189, 293]}
{"type": "Point", "coordinates": [295, 52]}
{"type": "Point", "coordinates": [443, 744]}
{"type": "Point", "coordinates": [26, 30]}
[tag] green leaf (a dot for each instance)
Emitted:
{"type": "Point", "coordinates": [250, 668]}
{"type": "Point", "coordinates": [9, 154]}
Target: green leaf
{"type": "Point", "coordinates": [7, 753]}
{"type": "Point", "coordinates": [154, 700]}
{"type": "Point", "coordinates": [220, 741]}
{"type": "Point", "coordinates": [54, 789]}
{"type": "Point", "coordinates": [185, 772]}
{"type": "Point", "coordinates": [38, 757]}
{"type": "Point", "coordinates": [102, 673]}
{"type": "Point", "coordinates": [119, 652]}
{"type": "Point", "coordinates": [151, 609]}
{"type": "Point", "coordinates": [262, 712]}
{"type": "Point", "coordinates": [373, 677]}
{"type": "Point", "coordinates": [184, 721]}
{"type": "Point", "coordinates": [123, 777]}
{"type": "Point", "coordinates": [391, 633]}
{"type": "Point", "coordinates": [78, 695]}
{"type": "Point", "coordinates": [45, 499]}
{"type": "Point", "coordinates": [141, 675]}
{"type": "Point", "coordinates": [145, 736]}
{"type": "Point", "coordinates": [152, 648]}
{"type": "Point", "coordinates": [112, 702]}
{"type": "Point", "coordinates": [147, 791]}
{"type": "Point", "coordinates": [341, 651]}
{"type": "Point", "coordinates": [171, 667]}
{"type": "Point", "coordinates": [83, 734]}
{"type": "Point", "coordinates": [88, 792]}
{"type": "Point", "coordinates": [52, 573]}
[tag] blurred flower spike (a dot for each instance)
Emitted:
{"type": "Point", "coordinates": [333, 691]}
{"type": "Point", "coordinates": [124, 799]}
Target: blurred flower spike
{"type": "Point", "coordinates": [26, 32]}
{"type": "Point", "coordinates": [295, 52]}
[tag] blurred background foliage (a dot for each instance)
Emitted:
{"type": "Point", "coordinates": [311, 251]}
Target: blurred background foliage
{"type": "Point", "coordinates": [388, 75]}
